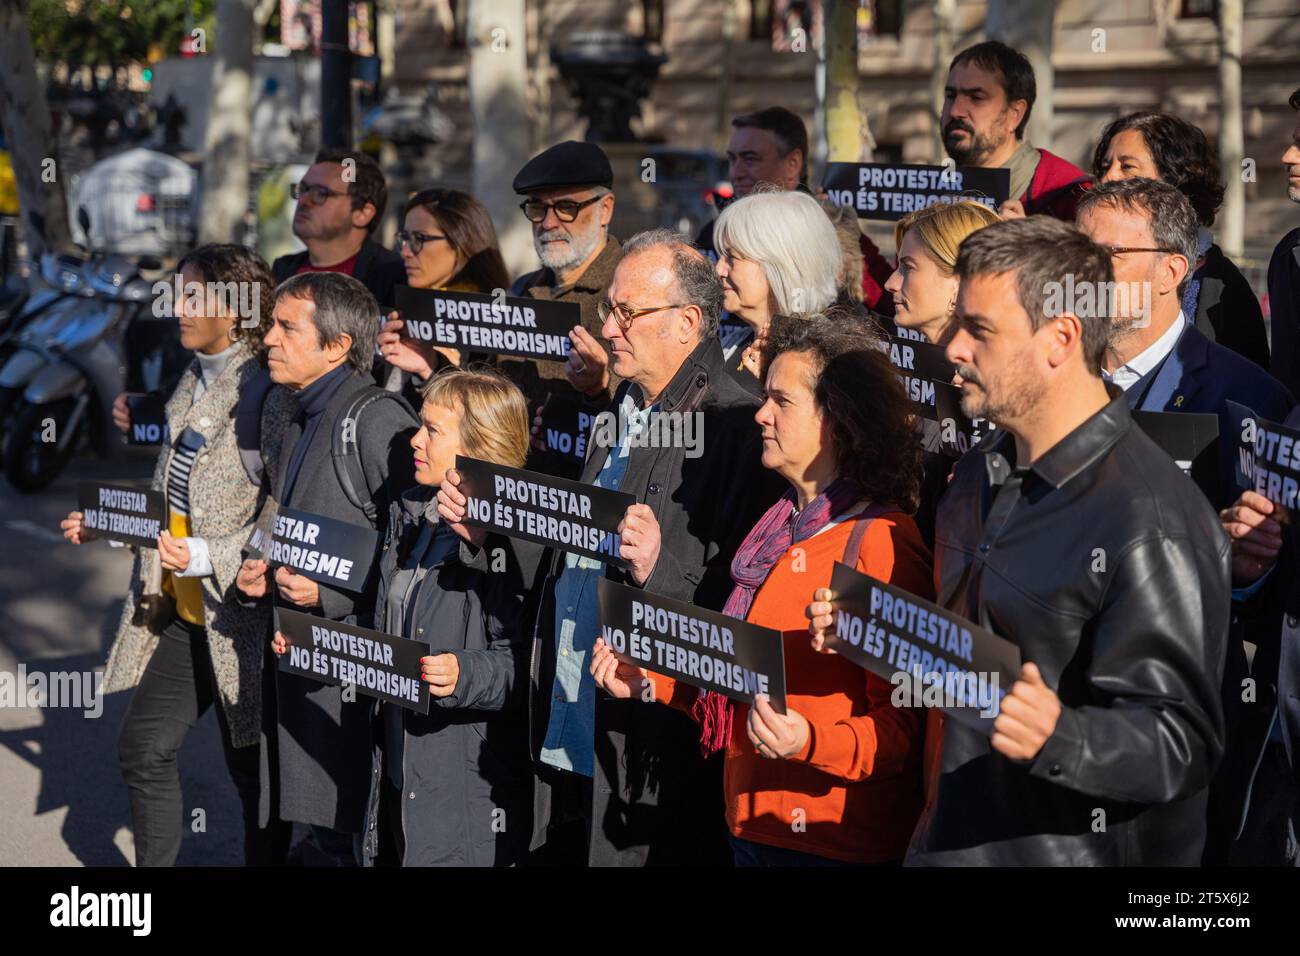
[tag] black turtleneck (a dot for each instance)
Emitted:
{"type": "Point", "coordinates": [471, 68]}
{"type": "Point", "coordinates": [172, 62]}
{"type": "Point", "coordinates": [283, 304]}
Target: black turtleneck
{"type": "Point", "coordinates": [312, 402]}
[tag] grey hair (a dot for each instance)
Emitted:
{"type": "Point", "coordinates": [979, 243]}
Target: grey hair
{"type": "Point", "coordinates": [1173, 220]}
{"type": "Point", "coordinates": [1041, 252]}
{"type": "Point", "coordinates": [790, 237]}
{"type": "Point", "coordinates": [697, 283]}
{"type": "Point", "coordinates": [343, 305]}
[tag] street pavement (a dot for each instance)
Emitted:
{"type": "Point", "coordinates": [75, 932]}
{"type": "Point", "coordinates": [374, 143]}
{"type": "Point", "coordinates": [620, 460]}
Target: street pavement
{"type": "Point", "coordinates": [62, 800]}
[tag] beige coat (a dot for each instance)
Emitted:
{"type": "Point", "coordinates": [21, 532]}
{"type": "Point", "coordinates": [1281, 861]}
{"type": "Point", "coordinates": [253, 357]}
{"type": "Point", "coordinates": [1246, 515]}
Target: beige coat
{"type": "Point", "coordinates": [224, 503]}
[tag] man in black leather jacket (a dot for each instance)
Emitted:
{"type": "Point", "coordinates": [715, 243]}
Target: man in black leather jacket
{"type": "Point", "coordinates": [1071, 534]}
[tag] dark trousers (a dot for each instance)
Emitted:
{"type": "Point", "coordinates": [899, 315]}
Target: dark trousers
{"type": "Point", "coordinates": [1269, 837]}
{"type": "Point", "coordinates": [177, 689]}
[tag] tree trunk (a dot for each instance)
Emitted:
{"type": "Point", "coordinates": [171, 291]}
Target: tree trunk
{"type": "Point", "coordinates": [25, 116]}
{"type": "Point", "coordinates": [848, 139]}
{"type": "Point", "coordinates": [1231, 136]}
{"type": "Point", "coordinates": [945, 15]}
{"type": "Point", "coordinates": [1027, 25]}
{"type": "Point", "coordinates": [498, 100]}
{"type": "Point", "coordinates": [226, 146]}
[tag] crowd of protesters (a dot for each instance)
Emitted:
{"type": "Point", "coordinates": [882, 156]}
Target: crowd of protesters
{"type": "Point", "coordinates": [773, 329]}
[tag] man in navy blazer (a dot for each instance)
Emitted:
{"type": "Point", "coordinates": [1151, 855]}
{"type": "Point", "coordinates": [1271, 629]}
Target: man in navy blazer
{"type": "Point", "coordinates": [1156, 355]}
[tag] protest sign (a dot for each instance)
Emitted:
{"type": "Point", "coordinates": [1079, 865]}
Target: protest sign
{"type": "Point", "coordinates": [699, 647]}
{"type": "Point", "coordinates": [148, 421]}
{"type": "Point", "coordinates": [921, 365]}
{"type": "Point", "coordinates": [122, 513]}
{"type": "Point", "coordinates": [566, 426]}
{"type": "Point", "coordinates": [324, 549]}
{"type": "Point", "coordinates": [1268, 457]}
{"type": "Point", "coordinates": [500, 325]}
{"type": "Point", "coordinates": [378, 664]}
{"type": "Point", "coordinates": [934, 658]}
{"type": "Point", "coordinates": [889, 191]}
{"type": "Point", "coordinates": [1191, 439]}
{"type": "Point", "coordinates": [552, 511]}
{"type": "Point", "coordinates": [957, 433]}
{"type": "Point", "coordinates": [258, 545]}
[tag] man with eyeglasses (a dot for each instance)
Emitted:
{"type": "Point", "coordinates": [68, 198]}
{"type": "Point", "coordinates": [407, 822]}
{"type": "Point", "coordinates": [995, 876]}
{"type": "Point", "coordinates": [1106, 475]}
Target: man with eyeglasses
{"type": "Point", "coordinates": [341, 199]}
{"type": "Point", "coordinates": [1159, 358]}
{"type": "Point", "coordinates": [569, 200]}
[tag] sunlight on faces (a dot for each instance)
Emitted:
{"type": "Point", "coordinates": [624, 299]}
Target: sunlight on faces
{"type": "Point", "coordinates": [1000, 359]}
{"type": "Point", "coordinates": [976, 119]}
{"type": "Point", "coordinates": [437, 262]}
{"type": "Point", "coordinates": [745, 290]}
{"type": "Point", "coordinates": [1291, 158]}
{"type": "Point", "coordinates": [563, 245]}
{"type": "Point", "coordinates": [923, 295]}
{"type": "Point", "coordinates": [796, 437]}
{"type": "Point", "coordinates": [436, 442]}
{"type": "Point", "coordinates": [651, 347]}
{"type": "Point", "coordinates": [202, 329]}
{"type": "Point", "coordinates": [754, 156]}
{"type": "Point", "coordinates": [1109, 225]}
{"type": "Point", "coordinates": [294, 353]}
{"type": "Point", "coordinates": [334, 217]}
{"type": "Point", "coordinates": [1129, 157]}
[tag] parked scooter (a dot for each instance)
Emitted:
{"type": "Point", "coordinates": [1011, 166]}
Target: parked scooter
{"type": "Point", "coordinates": [71, 363]}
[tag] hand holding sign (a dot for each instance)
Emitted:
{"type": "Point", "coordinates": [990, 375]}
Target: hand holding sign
{"type": "Point", "coordinates": [588, 366]}
{"type": "Point", "coordinates": [174, 552]}
{"type": "Point", "coordinates": [122, 411]}
{"type": "Point", "coordinates": [441, 673]}
{"type": "Point", "coordinates": [821, 620]}
{"type": "Point", "coordinates": [401, 352]}
{"type": "Point", "coordinates": [619, 680]}
{"type": "Point", "coordinates": [776, 736]}
{"type": "Point", "coordinates": [1256, 536]}
{"type": "Point", "coordinates": [453, 507]}
{"type": "Point", "coordinates": [74, 527]}
{"type": "Point", "coordinates": [252, 577]}
{"type": "Point", "coordinates": [1011, 209]}
{"type": "Point", "coordinates": [1028, 716]}
{"type": "Point", "coordinates": [639, 541]}
{"type": "Point", "coordinates": [279, 643]}
{"type": "Point", "coordinates": [297, 588]}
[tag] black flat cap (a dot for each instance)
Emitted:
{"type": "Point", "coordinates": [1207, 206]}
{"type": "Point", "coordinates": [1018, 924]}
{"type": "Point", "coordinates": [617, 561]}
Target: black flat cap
{"type": "Point", "coordinates": [565, 164]}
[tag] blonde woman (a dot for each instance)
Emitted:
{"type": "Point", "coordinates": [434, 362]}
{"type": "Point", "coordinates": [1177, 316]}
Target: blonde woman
{"type": "Point", "coordinates": [451, 788]}
{"type": "Point", "coordinates": [778, 254]}
{"type": "Point", "coordinates": [923, 286]}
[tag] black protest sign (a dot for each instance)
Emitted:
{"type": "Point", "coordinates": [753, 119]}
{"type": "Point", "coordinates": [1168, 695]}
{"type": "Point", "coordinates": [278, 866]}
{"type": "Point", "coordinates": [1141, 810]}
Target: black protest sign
{"type": "Point", "coordinates": [500, 325]}
{"type": "Point", "coordinates": [148, 421]}
{"type": "Point", "coordinates": [258, 545]}
{"type": "Point", "coordinates": [889, 191]}
{"type": "Point", "coordinates": [957, 433]}
{"type": "Point", "coordinates": [551, 511]}
{"type": "Point", "coordinates": [699, 647]}
{"type": "Point", "coordinates": [324, 549]}
{"type": "Point", "coordinates": [1268, 457]}
{"type": "Point", "coordinates": [932, 657]}
{"type": "Point", "coordinates": [920, 366]}
{"type": "Point", "coordinates": [122, 513]}
{"type": "Point", "coordinates": [565, 426]}
{"type": "Point", "coordinates": [377, 664]}
{"type": "Point", "coordinates": [1191, 439]}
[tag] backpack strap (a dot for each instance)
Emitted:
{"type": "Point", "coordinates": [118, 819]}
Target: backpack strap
{"type": "Point", "coordinates": [860, 522]}
{"type": "Point", "coordinates": [346, 455]}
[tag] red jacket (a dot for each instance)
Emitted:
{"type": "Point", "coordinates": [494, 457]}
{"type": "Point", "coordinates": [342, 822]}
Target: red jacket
{"type": "Point", "coordinates": [1055, 188]}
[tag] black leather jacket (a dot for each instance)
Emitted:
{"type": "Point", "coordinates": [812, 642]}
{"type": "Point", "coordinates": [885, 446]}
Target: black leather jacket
{"type": "Point", "coordinates": [1109, 569]}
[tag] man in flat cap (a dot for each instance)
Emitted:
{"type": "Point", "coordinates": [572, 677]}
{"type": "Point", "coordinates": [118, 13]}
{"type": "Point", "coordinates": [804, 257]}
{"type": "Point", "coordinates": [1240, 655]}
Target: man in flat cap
{"type": "Point", "coordinates": [569, 201]}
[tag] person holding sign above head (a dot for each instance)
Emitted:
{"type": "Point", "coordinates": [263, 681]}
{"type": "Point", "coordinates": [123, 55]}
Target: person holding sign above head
{"type": "Point", "coordinates": [987, 99]}
{"type": "Point", "coordinates": [618, 782]}
{"type": "Point", "coordinates": [447, 241]}
{"type": "Point", "coordinates": [344, 457]}
{"type": "Point", "coordinates": [1217, 299]}
{"type": "Point", "coordinates": [1072, 535]}
{"type": "Point", "coordinates": [569, 201]}
{"type": "Point", "coordinates": [1160, 358]}
{"type": "Point", "coordinates": [837, 777]}
{"type": "Point", "coordinates": [778, 254]}
{"type": "Point", "coordinates": [182, 643]}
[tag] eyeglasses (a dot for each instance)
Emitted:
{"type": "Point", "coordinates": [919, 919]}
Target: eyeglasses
{"type": "Point", "coordinates": [624, 317]}
{"type": "Point", "coordinates": [1120, 250]}
{"type": "Point", "coordinates": [417, 240]}
{"type": "Point", "coordinates": [566, 210]}
{"type": "Point", "coordinates": [317, 193]}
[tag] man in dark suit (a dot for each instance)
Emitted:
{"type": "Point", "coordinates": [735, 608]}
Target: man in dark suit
{"type": "Point", "coordinates": [1156, 354]}
{"type": "Point", "coordinates": [341, 200]}
{"type": "Point", "coordinates": [316, 743]}
{"type": "Point", "coordinates": [1284, 275]}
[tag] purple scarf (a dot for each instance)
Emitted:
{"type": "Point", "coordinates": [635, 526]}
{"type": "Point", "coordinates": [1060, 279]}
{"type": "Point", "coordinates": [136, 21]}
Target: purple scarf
{"type": "Point", "coordinates": [776, 532]}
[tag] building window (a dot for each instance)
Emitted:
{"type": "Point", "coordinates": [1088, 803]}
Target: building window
{"type": "Point", "coordinates": [880, 18]}
{"type": "Point", "coordinates": [652, 16]}
{"type": "Point", "coordinates": [459, 36]}
{"type": "Point", "coordinates": [1199, 9]}
{"type": "Point", "coordinates": [760, 20]}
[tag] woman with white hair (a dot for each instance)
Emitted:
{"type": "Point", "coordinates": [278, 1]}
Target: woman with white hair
{"type": "Point", "coordinates": [778, 254]}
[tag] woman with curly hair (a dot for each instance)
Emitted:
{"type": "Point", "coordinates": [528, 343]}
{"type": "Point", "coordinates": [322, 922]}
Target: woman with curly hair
{"type": "Point", "coordinates": [1217, 296]}
{"type": "Point", "coordinates": [837, 426]}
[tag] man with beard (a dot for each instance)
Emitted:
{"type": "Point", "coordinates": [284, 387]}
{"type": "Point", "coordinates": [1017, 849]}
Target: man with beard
{"type": "Point", "coordinates": [1072, 535]}
{"type": "Point", "coordinates": [341, 199]}
{"type": "Point", "coordinates": [986, 104]}
{"type": "Point", "coordinates": [569, 200]}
